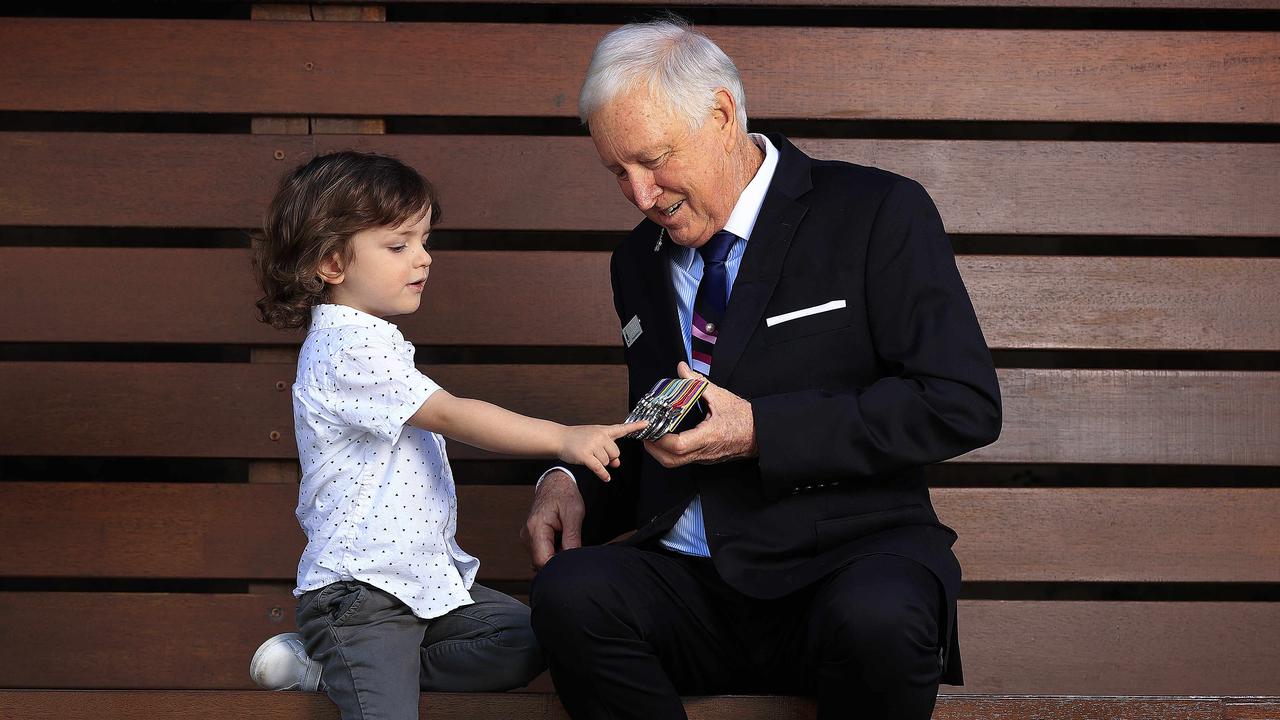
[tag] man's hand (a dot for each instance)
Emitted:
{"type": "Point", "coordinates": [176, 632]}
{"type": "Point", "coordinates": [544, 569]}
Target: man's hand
{"type": "Point", "coordinates": [557, 507]}
{"type": "Point", "coordinates": [727, 433]}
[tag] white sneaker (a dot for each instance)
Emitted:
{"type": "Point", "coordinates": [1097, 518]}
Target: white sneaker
{"type": "Point", "coordinates": [281, 663]}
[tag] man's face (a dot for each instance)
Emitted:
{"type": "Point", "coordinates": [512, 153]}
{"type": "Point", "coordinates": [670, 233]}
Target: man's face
{"type": "Point", "coordinates": [679, 178]}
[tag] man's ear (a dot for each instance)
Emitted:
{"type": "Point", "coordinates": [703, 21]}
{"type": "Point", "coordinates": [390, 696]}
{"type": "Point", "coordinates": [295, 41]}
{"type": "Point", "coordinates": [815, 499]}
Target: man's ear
{"type": "Point", "coordinates": [725, 115]}
{"type": "Point", "coordinates": [331, 270]}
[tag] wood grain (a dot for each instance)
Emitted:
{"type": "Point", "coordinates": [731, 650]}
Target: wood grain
{"type": "Point", "coordinates": [1113, 648]}
{"type": "Point", "coordinates": [503, 298]}
{"type": "Point", "coordinates": [310, 68]}
{"type": "Point", "coordinates": [146, 640]}
{"type": "Point", "coordinates": [1137, 416]}
{"type": "Point", "coordinates": [248, 531]}
{"type": "Point", "coordinates": [504, 182]}
{"type": "Point", "coordinates": [1253, 709]}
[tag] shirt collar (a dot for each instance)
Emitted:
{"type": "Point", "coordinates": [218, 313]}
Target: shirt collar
{"type": "Point", "coordinates": [742, 221]}
{"type": "Point", "coordinates": [326, 316]}
{"type": "Point", "coordinates": [743, 218]}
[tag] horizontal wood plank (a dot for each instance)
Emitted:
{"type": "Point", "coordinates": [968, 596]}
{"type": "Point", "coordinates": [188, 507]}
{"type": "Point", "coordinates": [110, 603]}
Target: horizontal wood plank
{"type": "Point", "coordinates": [1112, 648]}
{"type": "Point", "coordinates": [502, 298]}
{"type": "Point", "coordinates": [257, 705]}
{"type": "Point", "coordinates": [281, 68]}
{"type": "Point", "coordinates": [1253, 709]}
{"type": "Point", "coordinates": [1137, 416]}
{"type": "Point", "coordinates": [1065, 4]}
{"type": "Point", "coordinates": [1117, 4]}
{"type": "Point", "coordinates": [244, 410]}
{"type": "Point", "coordinates": [144, 640]}
{"type": "Point", "coordinates": [488, 298]}
{"type": "Point", "coordinates": [240, 410]}
{"type": "Point", "coordinates": [73, 529]}
{"type": "Point", "coordinates": [1072, 188]}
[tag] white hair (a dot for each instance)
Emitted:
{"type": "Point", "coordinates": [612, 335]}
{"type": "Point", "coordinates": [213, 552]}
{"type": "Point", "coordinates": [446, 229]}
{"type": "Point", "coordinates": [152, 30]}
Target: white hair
{"type": "Point", "coordinates": [673, 61]}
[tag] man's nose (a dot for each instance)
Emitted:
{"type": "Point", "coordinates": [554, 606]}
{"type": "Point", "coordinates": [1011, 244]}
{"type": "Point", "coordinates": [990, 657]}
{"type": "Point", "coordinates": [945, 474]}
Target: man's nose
{"type": "Point", "coordinates": [644, 193]}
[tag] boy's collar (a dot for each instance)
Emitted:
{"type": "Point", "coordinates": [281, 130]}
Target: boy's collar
{"type": "Point", "coordinates": [328, 315]}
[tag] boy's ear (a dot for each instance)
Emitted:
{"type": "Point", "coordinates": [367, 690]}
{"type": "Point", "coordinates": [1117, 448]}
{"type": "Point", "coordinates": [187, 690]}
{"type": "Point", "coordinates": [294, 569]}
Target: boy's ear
{"type": "Point", "coordinates": [330, 269]}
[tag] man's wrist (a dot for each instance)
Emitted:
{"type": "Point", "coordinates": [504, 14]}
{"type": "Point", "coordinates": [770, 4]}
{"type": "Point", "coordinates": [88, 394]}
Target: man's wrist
{"type": "Point", "coordinates": [544, 475]}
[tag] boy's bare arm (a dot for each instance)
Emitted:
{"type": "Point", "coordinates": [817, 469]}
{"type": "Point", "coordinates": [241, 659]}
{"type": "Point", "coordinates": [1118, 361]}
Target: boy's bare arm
{"type": "Point", "coordinates": [489, 427]}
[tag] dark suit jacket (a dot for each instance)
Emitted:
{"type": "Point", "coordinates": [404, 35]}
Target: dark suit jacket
{"type": "Point", "coordinates": [849, 405]}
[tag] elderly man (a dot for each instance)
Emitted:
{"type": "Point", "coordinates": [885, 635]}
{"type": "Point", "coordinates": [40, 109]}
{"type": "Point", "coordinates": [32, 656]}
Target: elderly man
{"type": "Point", "coordinates": [787, 542]}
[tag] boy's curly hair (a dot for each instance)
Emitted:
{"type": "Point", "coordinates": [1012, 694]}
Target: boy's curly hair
{"type": "Point", "coordinates": [316, 210]}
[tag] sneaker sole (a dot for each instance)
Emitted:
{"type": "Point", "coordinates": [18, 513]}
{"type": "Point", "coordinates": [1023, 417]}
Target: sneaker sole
{"type": "Point", "coordinates": [255, 665]}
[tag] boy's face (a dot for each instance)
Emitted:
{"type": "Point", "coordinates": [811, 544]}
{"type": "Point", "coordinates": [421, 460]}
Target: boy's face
{"type": "Point", "coordinates": [387, 270]}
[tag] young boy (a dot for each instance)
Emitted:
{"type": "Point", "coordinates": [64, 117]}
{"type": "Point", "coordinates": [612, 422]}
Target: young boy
{"type": "Point", "coordinates": [387, 604]}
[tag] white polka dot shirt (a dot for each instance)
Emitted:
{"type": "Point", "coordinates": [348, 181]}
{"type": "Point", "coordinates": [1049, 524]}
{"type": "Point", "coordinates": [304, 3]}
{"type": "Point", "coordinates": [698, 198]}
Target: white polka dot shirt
{"type": "Point", "coordinates": [377, 499]}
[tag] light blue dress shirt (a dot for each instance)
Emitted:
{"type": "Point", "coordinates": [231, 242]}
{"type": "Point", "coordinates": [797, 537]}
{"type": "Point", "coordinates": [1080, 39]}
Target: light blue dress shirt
{"type": "Point", "coordinates": [689, 535]}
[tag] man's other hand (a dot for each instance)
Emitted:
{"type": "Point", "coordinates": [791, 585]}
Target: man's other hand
{"type": "Point", "coordinates": [557, 508]}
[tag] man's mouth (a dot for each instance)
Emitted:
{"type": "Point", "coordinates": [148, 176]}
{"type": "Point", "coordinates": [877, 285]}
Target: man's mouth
{"type": "Point", "coordinates": [672, 210]}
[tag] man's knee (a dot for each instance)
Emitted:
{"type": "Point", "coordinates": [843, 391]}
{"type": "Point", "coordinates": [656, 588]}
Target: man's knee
{"type": "Point", "coordinates": [572, 592]}
{"type": "Point", "coordinates": [881, 623]}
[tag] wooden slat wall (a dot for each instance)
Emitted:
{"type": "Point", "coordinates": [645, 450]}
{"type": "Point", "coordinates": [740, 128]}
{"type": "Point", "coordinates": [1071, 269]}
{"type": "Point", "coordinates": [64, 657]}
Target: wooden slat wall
{"type": "Point", "coordinates": [1019, 647]}
{"type": "Point", "coordinates": [80, 529]}
{"type": "Point", "coordinates": [1010, 187]}
{"type": "Point", "coordinates": [1023, 302]}
{"type": "Point", "coordinates": [504, 69]}
{"type": "Point", "coordinates": [1161, 369]}
{"type": "Point", "coordinates": [225, 410]}
{"type": "Point", "coordinates": [197, 705]}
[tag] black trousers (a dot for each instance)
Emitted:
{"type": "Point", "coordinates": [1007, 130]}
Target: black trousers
{"type": "Point", "coordinates": [627, 630]}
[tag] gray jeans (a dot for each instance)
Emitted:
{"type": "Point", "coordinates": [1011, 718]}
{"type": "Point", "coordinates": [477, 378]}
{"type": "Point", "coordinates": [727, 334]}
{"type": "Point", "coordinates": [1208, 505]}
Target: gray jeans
{"type": "Point", "coordinates": [377, 654]}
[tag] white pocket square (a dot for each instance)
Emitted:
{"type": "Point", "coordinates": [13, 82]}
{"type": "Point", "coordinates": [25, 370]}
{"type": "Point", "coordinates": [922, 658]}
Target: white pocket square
{"type": "Point", "coordinates": [805, 312]}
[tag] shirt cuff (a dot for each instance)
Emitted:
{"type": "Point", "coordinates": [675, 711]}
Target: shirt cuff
{"type": "Point", "coordinates": [548, 472]}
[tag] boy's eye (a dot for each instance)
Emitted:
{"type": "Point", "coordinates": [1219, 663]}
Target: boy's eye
{"type": "Point", "coordinates": [398, 248]}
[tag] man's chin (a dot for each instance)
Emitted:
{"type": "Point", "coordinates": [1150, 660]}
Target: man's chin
{"type": "Point", "coordinates": [685, 237]}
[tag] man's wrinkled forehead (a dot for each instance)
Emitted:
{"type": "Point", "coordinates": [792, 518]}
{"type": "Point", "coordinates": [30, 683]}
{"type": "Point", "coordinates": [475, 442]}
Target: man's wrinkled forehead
{"type": "Point", "coordinates": [633, 127]}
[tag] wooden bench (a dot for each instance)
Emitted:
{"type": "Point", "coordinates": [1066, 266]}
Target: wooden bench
{"type": "Point", "coordinates": [1120, 541]}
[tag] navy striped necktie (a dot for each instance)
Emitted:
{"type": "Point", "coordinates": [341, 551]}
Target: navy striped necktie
{"type": "Point", "coordinates": [712, 298]}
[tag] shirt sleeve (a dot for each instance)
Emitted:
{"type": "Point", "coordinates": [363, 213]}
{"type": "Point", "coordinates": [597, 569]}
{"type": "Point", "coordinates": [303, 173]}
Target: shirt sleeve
{"type": "Point", "coordinates": [377, 388]}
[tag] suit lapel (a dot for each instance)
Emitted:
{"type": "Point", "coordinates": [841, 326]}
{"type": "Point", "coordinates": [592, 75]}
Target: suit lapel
{"type": "Point", "coordinates": [761, 267]}
{"type": "Point", "coordinates": [661, 297]}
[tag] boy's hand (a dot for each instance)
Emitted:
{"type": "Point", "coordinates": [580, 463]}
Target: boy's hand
{"type": "Point", "coordinates": [595, 446]}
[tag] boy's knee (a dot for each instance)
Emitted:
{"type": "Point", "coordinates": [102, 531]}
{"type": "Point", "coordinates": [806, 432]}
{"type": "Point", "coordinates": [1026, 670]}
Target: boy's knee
{"type": "Point", "coordinates": [521, 658]}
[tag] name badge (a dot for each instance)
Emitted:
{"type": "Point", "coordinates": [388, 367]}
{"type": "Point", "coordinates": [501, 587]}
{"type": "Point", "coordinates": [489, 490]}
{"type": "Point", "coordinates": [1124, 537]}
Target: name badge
{"type": "Point", "coordinates": [631, 331]}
